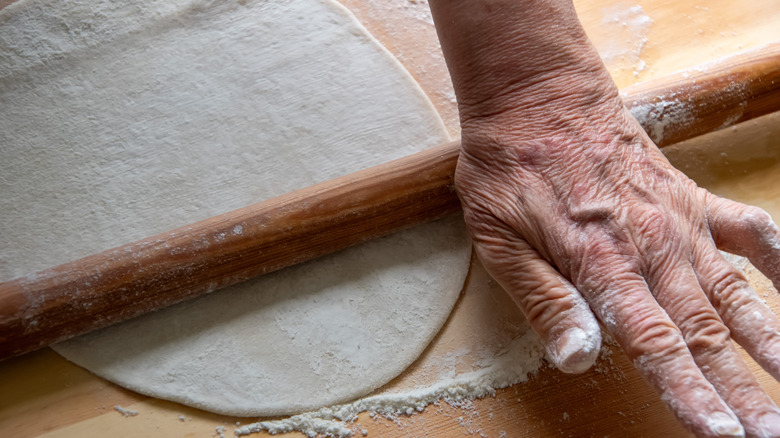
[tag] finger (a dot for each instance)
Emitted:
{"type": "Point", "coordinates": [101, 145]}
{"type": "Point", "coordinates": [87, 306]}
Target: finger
{"type": "Point", "coordinates": [554, 308]}
{"type": "Point", "coordinates": [753, 325]}
{"type": "Point", "coordinates": [748, 231]}
{"type": "Point", "coordinates": [621, 299]}
{"type": "Point", "coordinates": [676, 288]}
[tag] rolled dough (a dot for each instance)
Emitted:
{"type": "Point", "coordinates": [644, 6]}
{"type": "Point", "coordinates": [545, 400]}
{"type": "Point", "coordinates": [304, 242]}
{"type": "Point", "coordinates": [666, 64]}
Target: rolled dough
{"type": "Point", "coordinates": [122, 120]}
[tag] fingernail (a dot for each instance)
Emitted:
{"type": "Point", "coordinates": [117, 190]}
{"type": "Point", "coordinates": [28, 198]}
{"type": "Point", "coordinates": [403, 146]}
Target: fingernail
{"type": "Point", "coordinates": [770, 424]}
{"type": "Point", "coordinates": [725, 425]}
{"type": "Point", "coordinates": [576, 351]}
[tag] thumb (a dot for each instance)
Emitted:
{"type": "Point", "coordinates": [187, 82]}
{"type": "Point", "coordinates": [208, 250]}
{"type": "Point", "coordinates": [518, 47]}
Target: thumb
{"type": "Point", "coordinates": [554, 308]}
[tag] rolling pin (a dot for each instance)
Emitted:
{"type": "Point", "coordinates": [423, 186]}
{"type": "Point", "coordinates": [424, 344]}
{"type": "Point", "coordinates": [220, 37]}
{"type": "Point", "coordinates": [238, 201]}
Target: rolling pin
{"type": "Point", "coordinates": [130, 280]}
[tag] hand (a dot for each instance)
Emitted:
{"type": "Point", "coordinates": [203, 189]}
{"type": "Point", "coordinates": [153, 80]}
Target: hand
{"type": "Point", "coordinates": [636, 240]}
{"type": "Point", "coordinates": [574, 211]}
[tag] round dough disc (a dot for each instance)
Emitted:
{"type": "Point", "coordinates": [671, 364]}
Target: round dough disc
{"type": "Point", "coordinates": [121, 121]}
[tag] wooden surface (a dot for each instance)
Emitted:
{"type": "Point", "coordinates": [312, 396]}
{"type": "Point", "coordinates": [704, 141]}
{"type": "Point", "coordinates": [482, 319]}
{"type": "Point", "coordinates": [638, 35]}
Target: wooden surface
{"type": "Point", "coordinates": [41, 393]}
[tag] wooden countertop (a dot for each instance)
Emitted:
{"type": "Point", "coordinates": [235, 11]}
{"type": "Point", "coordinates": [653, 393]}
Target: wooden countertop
{"type": "Point", "coordinates": [42, 394]}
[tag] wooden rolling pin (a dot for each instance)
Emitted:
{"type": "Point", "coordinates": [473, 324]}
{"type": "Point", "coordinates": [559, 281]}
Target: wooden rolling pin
{"type": "Point", "coordinates": [128, 281]}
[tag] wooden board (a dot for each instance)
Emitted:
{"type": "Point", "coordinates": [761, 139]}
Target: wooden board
{"type": "Point", "coordinates": [42, 394]}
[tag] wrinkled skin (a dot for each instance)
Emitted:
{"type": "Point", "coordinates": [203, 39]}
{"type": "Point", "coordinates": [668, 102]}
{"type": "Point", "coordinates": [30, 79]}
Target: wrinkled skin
{"type": "Point", "coordinates": [579, 216]}
{"type": "Point", "coordinates": [638, 240]}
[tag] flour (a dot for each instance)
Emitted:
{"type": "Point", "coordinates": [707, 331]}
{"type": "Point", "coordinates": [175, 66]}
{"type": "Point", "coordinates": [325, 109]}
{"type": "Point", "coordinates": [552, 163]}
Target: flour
{"type": "Point", "coordinates": [478, 368]}
{"type": "Point", "coordinates": [626, 30]}
{"type": "Point", "coordinates": [125, 411]}
{"type": "Point", "coordinates": [671, 112]}
{"type": "Point", "coordinates": [664, 114]}
{"type": "Point", "coordinates": [417, 9]}
{"type": "Point", "coordinates": [521, 358]}
{"type": "Point", "coordinates": [487, 345]}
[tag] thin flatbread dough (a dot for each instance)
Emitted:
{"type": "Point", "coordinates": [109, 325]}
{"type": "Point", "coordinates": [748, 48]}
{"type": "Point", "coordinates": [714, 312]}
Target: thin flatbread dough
{"type": "Point", "coordinates": [120, 121]}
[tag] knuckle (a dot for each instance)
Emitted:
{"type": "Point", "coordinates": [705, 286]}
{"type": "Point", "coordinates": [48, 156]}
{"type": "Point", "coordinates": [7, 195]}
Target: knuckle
{"type": "Point", "coordinates": [705, 333]}
{"type": "Point", "coordinates": [598, 253]}
{"type": "Point", "coordinates": [656, 337]}
{"type": "Point", "coordinates": [655, 229]}
{"type": "Point", "coordinates": [726, 285]}
{"type": "Point", "coordinates": [546, 303]}
{"type": "Point", "coordinates": [543, 310]}
{"type": "Point", "coordinates": [651, 219]}
{"type": "Point", "coordinates": [603, 272]}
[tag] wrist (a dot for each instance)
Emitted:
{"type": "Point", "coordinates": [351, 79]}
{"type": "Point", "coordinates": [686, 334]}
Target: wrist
{"type": "Point", "coordinates": [511, 57]}
{"type": "Point", "coordinates": [553, 121]}
{"type": "Point", "coordinates": [560, 98]}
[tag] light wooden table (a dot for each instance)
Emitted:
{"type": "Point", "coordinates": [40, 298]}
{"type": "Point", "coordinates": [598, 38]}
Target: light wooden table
{"type": "Point", "coordinates": [41, 393]}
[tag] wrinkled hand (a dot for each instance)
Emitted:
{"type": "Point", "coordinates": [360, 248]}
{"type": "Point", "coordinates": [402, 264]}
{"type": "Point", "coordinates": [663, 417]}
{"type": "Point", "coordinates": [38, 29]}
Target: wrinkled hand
{"type": "Point", "coordinates": [575, 212]}
{"type": "Point", "coordinates": [573, 208]}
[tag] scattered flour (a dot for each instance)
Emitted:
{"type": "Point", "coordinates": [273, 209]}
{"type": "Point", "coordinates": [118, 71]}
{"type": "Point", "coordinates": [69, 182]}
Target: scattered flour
{"type": "Point", "coordinates": [126, 412]}
{"type": "Point", "coordinates": [664, 114]}
{"type": "Point", "coordinates": [457, 376]}
{"type": "Point", "coordinates": [740, 263]}
{"type": "Point", "coordinates": [625, 30]}
{"type": "Point", "coordinates": [671, 113]}
{"type": "Point", "coordinates": [417, 9]}
{"type": "Point", "coordinates": [521, 358]}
